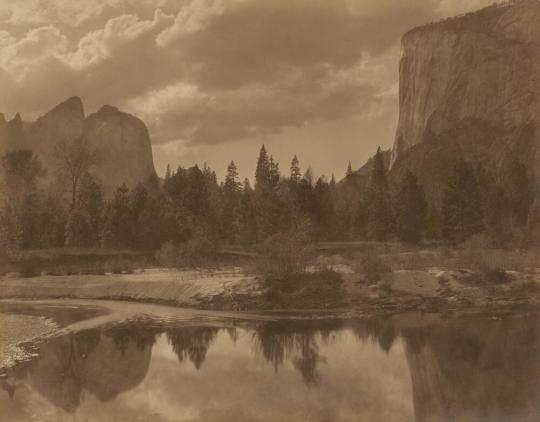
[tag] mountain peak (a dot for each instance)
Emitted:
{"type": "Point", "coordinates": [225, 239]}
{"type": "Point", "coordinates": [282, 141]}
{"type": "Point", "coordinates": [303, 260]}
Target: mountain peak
{"type": "Point", "coordinates": [107, 109]}
{"type": "Point", "coordinates": [16, 121]}
{"type": "Point", "coordinates": [73, 105]}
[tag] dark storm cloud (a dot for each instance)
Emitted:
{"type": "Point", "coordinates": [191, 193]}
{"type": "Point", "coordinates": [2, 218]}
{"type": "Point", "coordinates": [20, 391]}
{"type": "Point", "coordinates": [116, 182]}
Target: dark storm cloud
{"type": "Point", "coordinates": [261, 40]}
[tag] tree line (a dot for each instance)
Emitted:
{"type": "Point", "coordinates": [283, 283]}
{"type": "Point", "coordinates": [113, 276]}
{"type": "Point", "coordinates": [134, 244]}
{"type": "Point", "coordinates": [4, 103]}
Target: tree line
{"type": "Point", "coordinates": [190, 203]}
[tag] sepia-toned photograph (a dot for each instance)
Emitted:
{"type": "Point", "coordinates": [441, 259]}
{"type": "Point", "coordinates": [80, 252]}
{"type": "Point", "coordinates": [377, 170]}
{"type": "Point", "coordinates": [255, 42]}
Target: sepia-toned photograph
{"type": "Point", "coordinates": [269, 211]}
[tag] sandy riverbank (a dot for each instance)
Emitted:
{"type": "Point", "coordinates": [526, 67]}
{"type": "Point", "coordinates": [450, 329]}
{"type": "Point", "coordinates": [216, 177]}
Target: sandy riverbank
{"type": "Point", "coordinates": [231, 289]}
{"type": "Point", "coordinates": [176, 287]}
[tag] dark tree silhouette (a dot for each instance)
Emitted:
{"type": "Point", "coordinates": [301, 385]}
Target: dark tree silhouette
{"type": "Point", "coordinates": [410, 210]}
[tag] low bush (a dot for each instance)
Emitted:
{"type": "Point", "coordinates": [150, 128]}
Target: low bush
{"type": "Point", "coordinates": [374, 267]}
{"type": "Point", "coordinates": [30, 268]}
{"type": "Point", "coordinates": [285, 254]}
{"type": "Point", "coordinates": [323, 289]}
{"type": "Point", "coordinates": [199, 251]}
{"type": "Point", "coordinates": [120, 266]}
{"type": "Point", "coordinates": [477, 257]}
{"type": "Point", "coordinates": [167, 255]}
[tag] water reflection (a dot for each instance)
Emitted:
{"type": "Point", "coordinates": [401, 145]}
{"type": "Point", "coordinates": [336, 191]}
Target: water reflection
{"type": "Point", "coordinates": [485, 370]}
{"type": "Point", "coordinates": [449, 371]}
{"type": "Point", "coordinates": [276, 342]}
{"type": "Point", "coordinates": [192, 343]}
{"type": "Point", "coordinates": [102, 362]}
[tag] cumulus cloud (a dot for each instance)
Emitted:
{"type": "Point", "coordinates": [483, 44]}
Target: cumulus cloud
{"type": "Point", "coordinates": [70, 12]}
{"type": "Point", "coordinates": [102, 44]}
{"type": "Point", "coordinates": [36, 45]}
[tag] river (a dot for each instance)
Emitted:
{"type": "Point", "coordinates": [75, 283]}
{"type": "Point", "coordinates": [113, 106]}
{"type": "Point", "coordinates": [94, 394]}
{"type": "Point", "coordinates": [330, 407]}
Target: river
{"type": "Point", "coordinates": [147, 367]}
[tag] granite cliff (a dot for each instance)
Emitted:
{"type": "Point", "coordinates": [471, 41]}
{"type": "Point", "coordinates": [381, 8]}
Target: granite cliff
{"type": "Point", "coordinates": [122, 140]}
{"type": "Point", "coordinates": [469, 87]}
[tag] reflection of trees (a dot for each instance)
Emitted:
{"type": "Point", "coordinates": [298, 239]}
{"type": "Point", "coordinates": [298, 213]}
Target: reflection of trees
{"type": "Point", "coordinates": [308, 358]}
{"type": "Point", "coordinates": [192, 343]}
{"type": "Point", "coordinates": [380, 331]}
{"type": "Point", "coordinates": [484, 370]}
{"type": "Point", "coordinates": [141, 337]}
{"type": "Point", "coordinates": [280, 341]}
{"type": "Point", "coordinates": [233, 334]}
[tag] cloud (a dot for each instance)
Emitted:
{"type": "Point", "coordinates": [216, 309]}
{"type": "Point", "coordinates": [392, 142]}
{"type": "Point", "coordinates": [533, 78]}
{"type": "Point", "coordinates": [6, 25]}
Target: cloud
{"type": "Point", "coordinates": [258, 40]}
{"type": "Point", "coordinates": [102, 44]}
{"type": "Point", "coordinates": [38, 12]}
{"type": "Point", "coordinates": [209, 72]}
{"type": "Point", "coordinates": [36, 45]}
{"type": "Point", "coordinates": [185, 112]}
{"type": "Point", "coordinates": [453, 7]}
{"type": "Point", "coordinates": [193, 17]}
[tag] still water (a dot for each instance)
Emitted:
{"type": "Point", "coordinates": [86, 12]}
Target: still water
{"type": "Point", "coordinates": [383, 370]}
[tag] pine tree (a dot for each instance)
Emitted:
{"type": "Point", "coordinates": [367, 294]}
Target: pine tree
{"type": "Point", "coordinates": [333, 182]}
{"type": "Point", "coordinates": [497, 219]}
{"type": "Point", "coordinates": [410, 210]}
{"type": "Point", "coordinates": [168, 172]}
{"type": "Point", "coordinates": [153, 181]}
{"type": "Point", "coordinates": [461, 211]}
{"type": "Point", "coordinates": [197, 198]}
{"type": "Point", "coordinates": [379, 213]}
{"type": "Point", "coordinates": [232, 186]}
{"type": "Point", "coordinates": [79, 231]}
{"type": "Point", "coordinates": [324, 208]}
{"type": "Point", "coordinates": [274, 172]}
{"type": "Point", "coordinates": [520, 192]}
{"type": "Point", "coordinates": [433, 223]}
{"type": "Point", "coordinates": [262, 172]}
{"type": "Point", "coordinates": [247, 217]}
{"type": "Point", "coordinates": [231, 196]}
{"type": "Point", "coordinates": [349, 171]}
{"type": "Point", "coordinates": [296, 174]}
{"type": "Point", "coordinates": [91, 205]}
{"type": "Point", "coordinates": [533, 225]}
{"type": "Point", "coordinates": [118, 230]}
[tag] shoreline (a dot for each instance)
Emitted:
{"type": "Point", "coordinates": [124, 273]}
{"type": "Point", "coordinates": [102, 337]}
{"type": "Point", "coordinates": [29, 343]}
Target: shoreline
{"type": "Point", "coordinates": [233, 290]}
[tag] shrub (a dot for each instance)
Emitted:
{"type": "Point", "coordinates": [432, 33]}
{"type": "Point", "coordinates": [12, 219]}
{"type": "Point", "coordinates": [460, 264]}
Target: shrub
{"type": "Point", "coordinates": [30, 267]}
{"type": "Point", "coordinates": [476, 256]}
{"type": "Point", "coordinates": [283, 255]}
{"type": "Point", "coordinates": [194, 252]}
{"type": "Point", "coordinates": [322, 289]}
{"type": "Point", "coordinates": [119, 266]}
{"type": "Point", "coordinates": [167, 255]}
{"type": "Point", "coordinates": [374, 267]}
{"type": "Point", "coordinates": [494, 276]}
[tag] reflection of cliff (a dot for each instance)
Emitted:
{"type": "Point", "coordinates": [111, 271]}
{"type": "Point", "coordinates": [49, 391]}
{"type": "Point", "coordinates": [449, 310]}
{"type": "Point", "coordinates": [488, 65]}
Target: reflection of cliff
{"type": "Point", "coordinates": [486, 371]}
{"type": "Point", "coordinates": [91, 361]}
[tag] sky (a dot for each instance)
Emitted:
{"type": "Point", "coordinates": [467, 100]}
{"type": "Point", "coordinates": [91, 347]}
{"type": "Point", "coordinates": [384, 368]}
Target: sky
{"type": "Point", "coordinates": [215, 79]}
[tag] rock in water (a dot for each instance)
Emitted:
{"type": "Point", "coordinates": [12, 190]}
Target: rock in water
{"type": "Point", "coordinates": [469, 87]}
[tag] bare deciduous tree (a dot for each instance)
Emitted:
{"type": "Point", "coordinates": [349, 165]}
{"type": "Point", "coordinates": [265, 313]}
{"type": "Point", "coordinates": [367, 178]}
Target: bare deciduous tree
{"type": "Point", "coordinates": [73, 160]}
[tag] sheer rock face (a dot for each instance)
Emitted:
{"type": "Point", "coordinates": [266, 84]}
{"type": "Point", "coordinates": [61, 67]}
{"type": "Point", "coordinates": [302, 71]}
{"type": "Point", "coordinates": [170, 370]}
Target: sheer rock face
{"type": "Point", "coordinates": [474, 81]}
{"type": "Point", "coordinates": [122, 141]}
{"type": "Point", "coordinates": [123, 145]}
